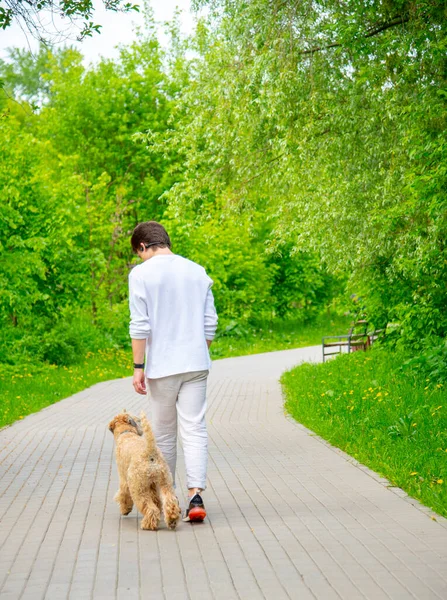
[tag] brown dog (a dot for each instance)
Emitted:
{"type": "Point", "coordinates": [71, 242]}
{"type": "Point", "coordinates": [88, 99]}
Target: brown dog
{"type": "Point", "coordinates": [145, 478]}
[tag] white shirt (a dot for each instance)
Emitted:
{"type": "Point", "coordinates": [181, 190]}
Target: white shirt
{"type": "Point", "coordinates": [172, 307]}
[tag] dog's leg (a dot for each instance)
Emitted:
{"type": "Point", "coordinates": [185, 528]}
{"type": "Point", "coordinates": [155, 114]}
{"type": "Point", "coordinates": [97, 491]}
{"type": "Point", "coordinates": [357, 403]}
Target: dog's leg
{"type": "Point", "coordinates": [171, 508]}
{"type": "Point", "coordinates": [124, 499]}
{"type": "Point", "coordinates": [155, 496]}
{"type": "Point", "coordinates": [150, 512]}
{"type": "Point", "coordinates": [144, 502]}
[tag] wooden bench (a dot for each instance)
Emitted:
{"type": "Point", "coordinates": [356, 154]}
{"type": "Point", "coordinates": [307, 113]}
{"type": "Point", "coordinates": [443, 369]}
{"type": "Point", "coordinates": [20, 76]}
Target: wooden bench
{"type": "Point", "coordinates": [351, 341]}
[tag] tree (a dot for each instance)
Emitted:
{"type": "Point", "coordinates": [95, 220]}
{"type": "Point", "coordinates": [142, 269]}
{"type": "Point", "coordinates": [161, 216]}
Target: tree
{"type": "Point", "coordinates": [332, 114]}
{"type": "Point", "coordinates": [74, 184]}
{"type": "Point", "coordinates": [93, 151]}
{"type": "Point", "coordinates": [32, 15]}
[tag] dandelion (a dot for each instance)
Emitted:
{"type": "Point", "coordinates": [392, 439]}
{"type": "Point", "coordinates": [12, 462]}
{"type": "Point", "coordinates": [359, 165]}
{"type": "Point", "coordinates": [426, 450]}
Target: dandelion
{"type": "Point", "coordinates": [414, 473]}
{"type": "Point", "coordinates": [440, 481]}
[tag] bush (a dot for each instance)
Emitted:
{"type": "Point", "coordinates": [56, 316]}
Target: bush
{"type": "Point", "coordinates": [431, 362]}
{"type": "Point", "coordinates": [301, 284]}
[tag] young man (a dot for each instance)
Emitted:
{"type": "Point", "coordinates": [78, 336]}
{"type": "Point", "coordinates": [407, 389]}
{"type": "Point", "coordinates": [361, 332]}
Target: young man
{"type": "Point", "coordinates": [173, 321]}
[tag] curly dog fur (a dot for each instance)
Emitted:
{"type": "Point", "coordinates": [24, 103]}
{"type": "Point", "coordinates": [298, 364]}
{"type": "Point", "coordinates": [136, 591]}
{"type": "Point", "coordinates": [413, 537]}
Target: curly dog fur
{"type": "Point", "coordinates": [145, 478]}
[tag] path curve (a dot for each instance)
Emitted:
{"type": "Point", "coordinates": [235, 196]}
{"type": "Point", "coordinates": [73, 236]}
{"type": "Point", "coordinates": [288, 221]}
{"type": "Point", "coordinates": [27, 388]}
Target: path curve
{"type": "Point", "coordinates": [289, 516]}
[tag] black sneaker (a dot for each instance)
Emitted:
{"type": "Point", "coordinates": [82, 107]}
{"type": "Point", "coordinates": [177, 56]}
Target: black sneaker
{"type": "Point", "coordinates": [195, 511]}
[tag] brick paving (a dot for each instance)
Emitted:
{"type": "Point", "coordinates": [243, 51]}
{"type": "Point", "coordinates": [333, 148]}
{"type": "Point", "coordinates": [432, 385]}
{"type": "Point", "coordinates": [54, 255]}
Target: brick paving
{"type": "Point", "coordinates": [289, 516]}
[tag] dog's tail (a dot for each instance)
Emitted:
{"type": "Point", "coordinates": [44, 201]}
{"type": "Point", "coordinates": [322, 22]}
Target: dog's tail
{"type": "Point", "coordinates": [148, 434]}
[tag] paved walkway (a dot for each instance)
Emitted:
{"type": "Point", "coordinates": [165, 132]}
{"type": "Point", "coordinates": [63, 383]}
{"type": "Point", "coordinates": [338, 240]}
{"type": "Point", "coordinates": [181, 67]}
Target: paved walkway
{"type": "Point", "coordinates": [289, 516]}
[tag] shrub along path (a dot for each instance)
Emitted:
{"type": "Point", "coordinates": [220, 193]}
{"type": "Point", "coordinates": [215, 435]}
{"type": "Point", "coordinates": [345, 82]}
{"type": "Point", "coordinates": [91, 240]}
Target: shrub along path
{"type": "Point", "coordinates": [289, 516]}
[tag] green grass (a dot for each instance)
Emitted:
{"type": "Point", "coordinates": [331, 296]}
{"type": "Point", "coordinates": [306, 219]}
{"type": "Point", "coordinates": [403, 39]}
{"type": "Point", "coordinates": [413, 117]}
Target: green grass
{"type": "Point", "coordinates": [281, 335]}
{"type": "Point", "coordinates": [391, 421]}
{"type": "Point", "coordinates": [27, 390]}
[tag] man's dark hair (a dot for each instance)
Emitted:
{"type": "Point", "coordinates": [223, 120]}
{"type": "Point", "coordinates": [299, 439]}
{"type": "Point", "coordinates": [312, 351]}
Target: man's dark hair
{"type": "Point", "coordinates": [150, 234]}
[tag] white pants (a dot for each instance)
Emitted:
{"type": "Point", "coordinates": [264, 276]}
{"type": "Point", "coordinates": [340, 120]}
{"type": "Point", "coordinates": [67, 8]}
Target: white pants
{"type": "Point", "coordinates": [182, 397]}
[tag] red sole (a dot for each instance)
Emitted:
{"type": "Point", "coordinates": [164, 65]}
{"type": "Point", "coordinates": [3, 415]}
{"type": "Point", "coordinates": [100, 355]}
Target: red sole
{"type": "Point", "coordinates": [197, 514]}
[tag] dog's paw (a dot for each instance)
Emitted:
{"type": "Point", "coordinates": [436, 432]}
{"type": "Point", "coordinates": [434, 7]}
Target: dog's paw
{"type": "Point", "coordinates": [172, 524]}
{"type": "Point", "coordinates": [149, 526]}
{"type": "Point", "coordinates": [125, 502]}
{"type": "Point", "coordinates": [150, 521]}
{"type": "Point", "coordinates": [172, 514]}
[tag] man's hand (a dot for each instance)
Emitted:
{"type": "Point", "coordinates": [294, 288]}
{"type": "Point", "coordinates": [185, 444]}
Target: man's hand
{"type": "Point", "coordinates": [139, 381]}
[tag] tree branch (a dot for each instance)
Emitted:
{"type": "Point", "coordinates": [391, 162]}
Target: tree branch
{"type": "Point", "coordinates": [372, 32]}
{"type": "Point", "coordinates": [250, 179]}
{"type": "Point", "coordinates": [399, 20]}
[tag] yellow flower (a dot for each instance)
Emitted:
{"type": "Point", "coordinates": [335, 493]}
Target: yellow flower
{"type": "Point", "coordinates": [378, 394]}
{"type": "Point", "coordinates": [414, 473]}
{"type": "Point", "coordinates": [440, 481]}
